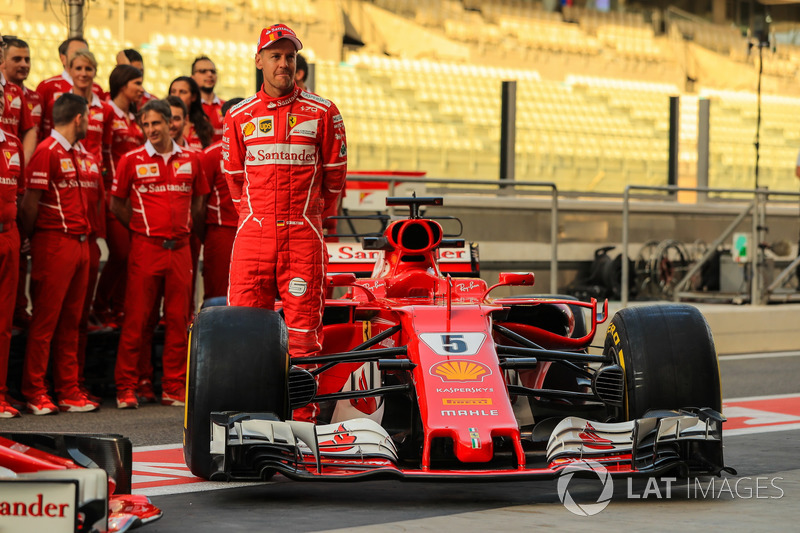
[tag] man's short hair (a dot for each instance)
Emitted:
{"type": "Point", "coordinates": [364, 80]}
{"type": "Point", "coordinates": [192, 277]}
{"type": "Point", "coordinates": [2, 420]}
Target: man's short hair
{"type": "Point", "coordinates": [176, 101]}
{"type": "Point", "coordinates": [201, 58]}
{"type": "Point", "coordinates": [133, 55]}
{"type": "Point", "coordinates": [301, 64]}
{"type": "Point", "coordinates": [16, 43]}
{"type": "Point", "coordinates": [67, 107]}
{"type": "Point", "coordinates": [229, 104]}
{"type": "Point", "coordinates": [62, 48]}
{"type": "Point", "coordinates": [159, 106]}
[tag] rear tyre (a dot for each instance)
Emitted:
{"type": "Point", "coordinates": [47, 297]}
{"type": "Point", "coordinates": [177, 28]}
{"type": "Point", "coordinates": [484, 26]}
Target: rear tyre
{"type": "Point", "coordinates": [238, 361]}
{"type": "Point", "coordinates": [669, 358]}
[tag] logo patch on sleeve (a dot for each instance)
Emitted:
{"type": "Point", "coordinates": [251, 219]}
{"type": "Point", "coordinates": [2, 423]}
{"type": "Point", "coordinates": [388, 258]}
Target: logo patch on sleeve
{"type": "Point", "coordinates": [297, 286]}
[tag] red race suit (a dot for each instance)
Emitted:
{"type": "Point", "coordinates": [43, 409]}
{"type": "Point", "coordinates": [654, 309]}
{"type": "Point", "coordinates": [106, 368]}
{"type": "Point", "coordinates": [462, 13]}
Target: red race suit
{"type": "Point", "coordinates": [60, 267]}
{"type": "Point", "coordinates": [161, 194]}
{"type": "Point", "coordinates": [12, 168]}
{"type": "Point", "coordinates": [286, 163]}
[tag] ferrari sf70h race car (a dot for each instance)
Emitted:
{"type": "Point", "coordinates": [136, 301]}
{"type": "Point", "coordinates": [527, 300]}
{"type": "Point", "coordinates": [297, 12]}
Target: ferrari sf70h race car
{"type": "Point", "coordinates": [425, 375]}
{"type": "Point", "coordinates": [64, 482]}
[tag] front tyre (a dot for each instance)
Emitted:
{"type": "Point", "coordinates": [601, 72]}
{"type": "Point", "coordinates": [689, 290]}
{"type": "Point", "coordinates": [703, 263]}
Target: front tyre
{"type": "Point", "coordinates": [669, 358]}
{"type": "Point", "coordinates": [238, 361]}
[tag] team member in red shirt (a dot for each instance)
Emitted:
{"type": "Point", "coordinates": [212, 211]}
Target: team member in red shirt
{"type": "Point", "coordinates": [125, 85]}
{"type": "Point", "coordinates": [129, 56]}
{"type": "Point", "coordinates": [17, 116]}
{"type": "Point", "coordinates": [54, 213]}
{"type": "Point", "coordinates": [51, 88]}
{"type": "Point", "coordinates": [15, 63]}
{"type": "Point", "coordinates": [12, 168]}
{"type": "Point", "coordinates": [204, 72]}
{"type": "Point", "coordinates": [286, 163]}
{"type": "Point", "coordinates": [82, 68]}
{"type": "Point", "coordinates": [157, 192]}
{"type": "Point", "coordinates": [198, 132]}
{"type": "Point", "coordinates": [221, 220]}
{"type": "Point", "coordinates": [16, 68]}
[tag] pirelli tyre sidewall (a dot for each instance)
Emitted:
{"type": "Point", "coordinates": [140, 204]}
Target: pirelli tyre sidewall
{"type": "Point", "coordinates": [238, 361]}
{"type": "Point", "coordinates": [668, 355]}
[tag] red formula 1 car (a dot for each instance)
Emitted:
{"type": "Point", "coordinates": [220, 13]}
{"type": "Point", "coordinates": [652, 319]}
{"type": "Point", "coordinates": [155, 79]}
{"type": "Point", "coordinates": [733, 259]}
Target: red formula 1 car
{"type": "Point", "coordinates": [425, 375]}
{"type": "Point", "coordinates": [59, 482]}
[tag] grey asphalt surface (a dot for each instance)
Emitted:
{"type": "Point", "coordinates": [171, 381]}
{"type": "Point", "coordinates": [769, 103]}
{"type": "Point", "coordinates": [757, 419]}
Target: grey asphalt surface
{"type": "Point", "coordinates": [283, 505]}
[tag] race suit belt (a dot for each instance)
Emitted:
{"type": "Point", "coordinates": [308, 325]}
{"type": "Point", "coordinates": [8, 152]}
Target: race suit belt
{"type": "Point", "coordinates": [4, 227]}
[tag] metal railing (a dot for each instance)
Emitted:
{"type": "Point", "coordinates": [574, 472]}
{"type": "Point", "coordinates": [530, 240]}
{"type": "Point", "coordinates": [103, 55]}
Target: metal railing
{"type": "Point", "coordinates": [502, 189]}
{"type": "Point", "coordinates": [756, 208]}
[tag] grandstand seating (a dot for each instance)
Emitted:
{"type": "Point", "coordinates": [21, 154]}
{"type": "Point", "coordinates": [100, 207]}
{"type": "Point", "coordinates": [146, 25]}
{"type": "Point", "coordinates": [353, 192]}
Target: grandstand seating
{"type": "Point", "coordinates": [585, 132]}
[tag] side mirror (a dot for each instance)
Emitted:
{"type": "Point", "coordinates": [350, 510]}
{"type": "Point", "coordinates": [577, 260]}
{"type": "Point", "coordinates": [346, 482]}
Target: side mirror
{"type": "Point", "coordinates": [511, 278]}
{"type": "Point", "coordinates": [516, 278]}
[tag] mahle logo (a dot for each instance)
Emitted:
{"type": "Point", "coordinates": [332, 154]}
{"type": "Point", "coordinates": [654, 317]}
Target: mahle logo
{"type": "Point", "coordinates": [585, 467]}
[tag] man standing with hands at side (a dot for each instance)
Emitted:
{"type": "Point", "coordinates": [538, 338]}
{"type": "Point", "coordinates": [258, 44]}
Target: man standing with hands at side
{"type": "Point", "coordinates": [54, 215]}
{"type": "Point", "coordinates": [285, 159]}
{"type": "Point", "coordinates": [157, 193]}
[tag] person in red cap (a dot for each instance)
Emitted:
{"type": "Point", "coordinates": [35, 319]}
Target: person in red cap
{"type": "Point", "coordinates": [12, 171]}
{"type": "Point", "coordinates": [157, 192]}
{"type": "Point", "coordinates": [54, 215]}
{"type": "Point", "coordinates": [286, 163]}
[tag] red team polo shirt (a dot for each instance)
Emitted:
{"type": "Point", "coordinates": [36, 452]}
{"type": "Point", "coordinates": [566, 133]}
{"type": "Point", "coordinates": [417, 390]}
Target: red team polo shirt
{"type": "Point", "coordinates": [12, 171]}
{"type": "Point", "coordinates": [49, 90]}
{"type": "Point", "coordinates": [214, 113]}
{"type": "Point", "coordinates": [219, 209]}
{"type": "Point", "coordinates": [125, 136]}
{"type": "Point", "coordinates": [54, 169]}
{"type": "Point", "coordinates": [16, 118]}
{"type": "Point", "coordinates": [160, 191]}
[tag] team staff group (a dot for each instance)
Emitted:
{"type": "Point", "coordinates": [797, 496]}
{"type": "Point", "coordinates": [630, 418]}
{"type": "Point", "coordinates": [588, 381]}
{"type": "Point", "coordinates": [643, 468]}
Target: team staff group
{"type": "Point", "coordinates": [149, 177]}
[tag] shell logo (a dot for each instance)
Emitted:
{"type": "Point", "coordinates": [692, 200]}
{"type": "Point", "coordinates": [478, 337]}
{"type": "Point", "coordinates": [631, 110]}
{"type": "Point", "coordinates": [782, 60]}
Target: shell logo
{"type": "Point", "coordinates": [142, 170]}
{"type": "Point", "coordinates": [248, 129]}
{"type": "Point", "coordinates": [460, 370]}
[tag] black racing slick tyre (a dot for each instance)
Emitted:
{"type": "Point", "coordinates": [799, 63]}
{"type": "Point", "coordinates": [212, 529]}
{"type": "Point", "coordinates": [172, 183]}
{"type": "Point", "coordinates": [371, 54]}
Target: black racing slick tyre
{"type": "Point", "coordinates": [238, 361]}
{"type": "Point", "coordinates": [668, 356]}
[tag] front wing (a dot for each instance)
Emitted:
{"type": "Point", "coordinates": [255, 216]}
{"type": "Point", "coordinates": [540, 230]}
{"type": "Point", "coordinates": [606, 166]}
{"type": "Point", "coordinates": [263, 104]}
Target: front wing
{"type": "Point", "coordinates": [250, 446]}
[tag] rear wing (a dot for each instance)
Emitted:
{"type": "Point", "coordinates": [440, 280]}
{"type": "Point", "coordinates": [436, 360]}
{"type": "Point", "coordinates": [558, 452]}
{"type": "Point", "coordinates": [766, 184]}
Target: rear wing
{"type": "Point", "coordinates": [351, 257]}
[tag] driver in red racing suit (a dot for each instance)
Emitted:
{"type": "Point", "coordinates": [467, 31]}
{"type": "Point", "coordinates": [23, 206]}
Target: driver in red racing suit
{"type": "Point", "coordinates": [285, 161]}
